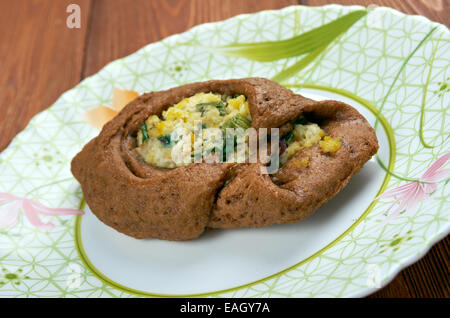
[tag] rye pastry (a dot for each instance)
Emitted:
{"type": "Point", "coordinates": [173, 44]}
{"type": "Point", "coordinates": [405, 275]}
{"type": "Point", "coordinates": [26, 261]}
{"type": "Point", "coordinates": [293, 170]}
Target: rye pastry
{"type": "Point", "coordinates": [131, 184]}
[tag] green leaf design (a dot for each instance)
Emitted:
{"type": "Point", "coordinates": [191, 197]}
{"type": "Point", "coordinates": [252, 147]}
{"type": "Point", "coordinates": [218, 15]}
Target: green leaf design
{"type": "Point", "coordinates": [298, 66]}
{"type": "Point", "coordinates": [405, 62]}
{"type": "Point", "coordinates": [314, 40]}
{"type": "Point", "coordinates": [424, 98]}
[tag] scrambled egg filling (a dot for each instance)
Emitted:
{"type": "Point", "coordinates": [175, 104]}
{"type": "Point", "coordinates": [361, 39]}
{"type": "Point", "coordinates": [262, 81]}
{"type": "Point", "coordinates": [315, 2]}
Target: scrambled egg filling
{"type": "Point", "coordinates": [160, 140]}
{"type": "Point", "coordinates": [329, 144]}
{"type": "Point", "coordinates": [305, 135]}
{"type": "Point", "coordinates": [172, 140]}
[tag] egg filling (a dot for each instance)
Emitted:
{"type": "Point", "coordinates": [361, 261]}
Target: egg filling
{"type": "Point", "coordinates": [196, 119]}
{"type": "Point", "coordinates": [306, 134]}
{"type": "Point", "coordinates": [200, 121]}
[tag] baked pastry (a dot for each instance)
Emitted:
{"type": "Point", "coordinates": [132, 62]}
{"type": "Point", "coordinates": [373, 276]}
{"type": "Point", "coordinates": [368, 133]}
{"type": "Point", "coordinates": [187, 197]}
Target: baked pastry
{"type": "Point", "coordinates": [131, 184]}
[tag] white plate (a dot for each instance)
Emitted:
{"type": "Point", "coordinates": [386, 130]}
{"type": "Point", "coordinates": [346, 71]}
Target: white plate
{"type": "Point", "coordinates": [386, 63]}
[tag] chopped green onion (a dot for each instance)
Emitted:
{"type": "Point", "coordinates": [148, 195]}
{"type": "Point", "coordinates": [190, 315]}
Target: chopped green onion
{"type": "Point", "coordinates": [201, 109]}
{"type": "Point", "coordinates": [219, 105]}
{"type": "Point", "coordinates": [144, 132]}
{"type": "Point", "coordinates": [288, 137]}
{"type": "Point", "coordinates": [301, 120]}
{"type": "Point", "coordinates": [222, 110]}
{"type": "Point", "coordinates": [238, 121]}
{"type": "Point", "coordinates": [165, 140]}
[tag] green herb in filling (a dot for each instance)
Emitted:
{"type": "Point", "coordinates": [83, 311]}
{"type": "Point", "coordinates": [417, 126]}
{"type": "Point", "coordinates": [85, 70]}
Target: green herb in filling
{"type": "Point", "coordinates": [144, 132]}
{"type": "Point", "coordinates": [288, 137]}
{"type": "Point", "coordinates": [201, 108]}
{"type": "Point", "coordinates": [219, 105]}
{"type": "Point", "coordinates": [300, 120]}
{"type": "Point", "coordinates": [238, 121]}
{"type": "Point", "coordinates": [165, 140]}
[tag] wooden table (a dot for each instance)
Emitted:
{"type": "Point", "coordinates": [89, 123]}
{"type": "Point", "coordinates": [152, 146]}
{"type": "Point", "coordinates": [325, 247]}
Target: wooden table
{"type": "Point", "coordinates": [41, 58]}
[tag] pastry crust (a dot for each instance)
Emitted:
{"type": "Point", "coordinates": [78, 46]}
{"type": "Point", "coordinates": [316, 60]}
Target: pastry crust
{"type": "Point", "coordinates": [178, 204]}
{"type": "Point", "coordinates": [254, 199]}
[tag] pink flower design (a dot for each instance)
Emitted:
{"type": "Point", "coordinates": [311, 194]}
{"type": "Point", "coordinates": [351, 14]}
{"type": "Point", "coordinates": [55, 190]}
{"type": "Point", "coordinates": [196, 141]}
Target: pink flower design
{"type": "Point", "coordinates": [409, 195]}
{"type": "Point", "coordinates": [12, 206]}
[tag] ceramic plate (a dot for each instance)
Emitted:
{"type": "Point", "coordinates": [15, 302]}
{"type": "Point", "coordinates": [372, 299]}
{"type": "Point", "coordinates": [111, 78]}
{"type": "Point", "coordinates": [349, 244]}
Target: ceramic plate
{"type": "Point", "coordinates": [392, 67]}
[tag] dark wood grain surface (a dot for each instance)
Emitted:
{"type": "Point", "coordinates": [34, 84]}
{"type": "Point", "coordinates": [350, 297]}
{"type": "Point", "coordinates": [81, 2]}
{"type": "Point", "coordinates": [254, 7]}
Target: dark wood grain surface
{"type": "Point", "coordinates": [40, 58]}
